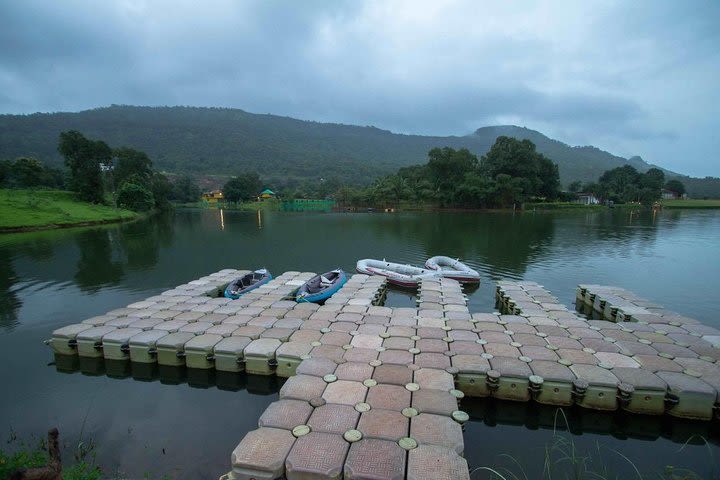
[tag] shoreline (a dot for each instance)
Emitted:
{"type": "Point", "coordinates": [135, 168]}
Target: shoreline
{"type": "Point", "coordinates": [27, 210]}
{"type": "Point", "coordinates": [57, 226]}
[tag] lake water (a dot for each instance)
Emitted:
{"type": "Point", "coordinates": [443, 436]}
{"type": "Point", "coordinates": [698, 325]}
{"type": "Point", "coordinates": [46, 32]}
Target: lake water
{"type": "Point", "coordinates": [186, 424]}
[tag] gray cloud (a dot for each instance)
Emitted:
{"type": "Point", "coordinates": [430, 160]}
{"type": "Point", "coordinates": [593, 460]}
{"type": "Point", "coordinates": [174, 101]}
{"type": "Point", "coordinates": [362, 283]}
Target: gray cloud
{"type": "Point", "coordinates": [632, 78]}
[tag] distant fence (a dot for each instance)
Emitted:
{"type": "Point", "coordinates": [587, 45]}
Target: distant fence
{"type": "Point", "coordinates": [307, 205]}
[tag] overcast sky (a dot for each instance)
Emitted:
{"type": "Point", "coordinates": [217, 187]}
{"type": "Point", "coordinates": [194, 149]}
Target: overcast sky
{"type": "Point", "coordinates": [634, 78]}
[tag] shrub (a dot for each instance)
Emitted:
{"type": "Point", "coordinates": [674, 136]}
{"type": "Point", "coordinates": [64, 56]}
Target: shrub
{"type": "Point", "coordinates": [135, 197]}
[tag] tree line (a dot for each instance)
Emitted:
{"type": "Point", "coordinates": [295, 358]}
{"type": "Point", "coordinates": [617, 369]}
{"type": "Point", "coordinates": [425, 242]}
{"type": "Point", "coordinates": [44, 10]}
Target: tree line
{"type": "Point", "coordinates": [25, 172]}
{"type": "Point", "coordinates": [511, 173]}
{"type": "Point", "coordinates": [625, 184]}
{"type": "Point", "coordinates": [100, 174]}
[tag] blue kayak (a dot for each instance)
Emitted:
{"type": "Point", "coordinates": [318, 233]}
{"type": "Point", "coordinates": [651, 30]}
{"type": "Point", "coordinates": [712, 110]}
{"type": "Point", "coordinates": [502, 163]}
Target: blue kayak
{"type": "Point", "coordinates": [321, 287]}
{"type": "Point", "coordinates": [248, 282]}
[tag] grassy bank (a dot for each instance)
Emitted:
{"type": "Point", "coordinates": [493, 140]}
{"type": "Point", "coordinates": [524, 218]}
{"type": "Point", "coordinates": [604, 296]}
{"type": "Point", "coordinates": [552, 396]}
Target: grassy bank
{"type": "Point", "coordinates": [40, 209]}
{"type": "Point", "coordinates": [691, 203]}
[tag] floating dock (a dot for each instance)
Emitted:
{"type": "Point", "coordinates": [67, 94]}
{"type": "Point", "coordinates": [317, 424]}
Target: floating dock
{"type": "Point", "coordinates": [373, 391]}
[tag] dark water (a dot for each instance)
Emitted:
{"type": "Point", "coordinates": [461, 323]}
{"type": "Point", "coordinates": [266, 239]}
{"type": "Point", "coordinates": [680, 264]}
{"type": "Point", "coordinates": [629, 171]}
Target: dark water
{"type": "Point", "coordinates": [186, 424]}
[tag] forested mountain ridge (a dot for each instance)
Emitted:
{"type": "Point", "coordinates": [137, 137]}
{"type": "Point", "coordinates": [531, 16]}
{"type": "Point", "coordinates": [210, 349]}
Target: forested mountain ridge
{"type": "Point", "coordinates": [230, 141]}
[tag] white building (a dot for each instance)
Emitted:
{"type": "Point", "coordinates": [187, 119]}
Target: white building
{"type": "Point", "coordinates": [587, 199]}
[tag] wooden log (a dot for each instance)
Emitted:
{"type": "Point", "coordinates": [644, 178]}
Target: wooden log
{"type": "Point", "coordinates": [52, 471]}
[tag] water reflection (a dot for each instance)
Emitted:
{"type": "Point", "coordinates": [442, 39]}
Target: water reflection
{"type": "Point", "coordinates": [9, 301]}
{"type": "Point", "coordinates": [504, 242]}
{"type": "Point", "coordinates": [168, 375]}
{"type": "Point", "coordinates": [97, 265]}
{"type": "Point", "coordinates": [141, 241]}
{"type": "Point", "coordinates": [145, 254]}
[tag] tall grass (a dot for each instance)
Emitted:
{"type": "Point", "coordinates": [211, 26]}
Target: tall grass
{"type": "Point", "coordinates": [563, 460]}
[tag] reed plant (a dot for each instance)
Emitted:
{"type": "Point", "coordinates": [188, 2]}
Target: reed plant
{"type": "Point", "coordinates": [564, 460]}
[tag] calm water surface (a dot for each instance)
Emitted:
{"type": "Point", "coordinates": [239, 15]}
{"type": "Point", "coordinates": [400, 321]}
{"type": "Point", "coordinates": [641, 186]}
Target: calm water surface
{"type": "Point", "coordinates": [186, 424]}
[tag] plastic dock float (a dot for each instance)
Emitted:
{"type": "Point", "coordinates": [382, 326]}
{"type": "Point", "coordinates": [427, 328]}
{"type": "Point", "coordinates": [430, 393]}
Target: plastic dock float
{"type": "Point", "coordinates": [116, 344]}
{"type": "Point", "coordinates": [230, 354]}
{"type": "Point", "coordinates": [89, 342]}
{"type": "Point", "coordinates": [143, 346]}
{"type": "Point", "coordinates": [373, 391]}
{"type": "Point", "coordinates": [199, 351]}
{"type": "Point", "coordinates": [171, 349]}
{"type": "Point", "coordinates": [64, 340]}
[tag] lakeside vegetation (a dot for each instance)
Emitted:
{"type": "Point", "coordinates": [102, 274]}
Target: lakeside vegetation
{"type": "Point", "coordinates": [100, 185]}
{"type": "Point", "coordinates": [20, 209]}
{"type": "Point", "coordinates": [691, 203]}
{"type": "Point", "coordinates": [513, 174]}
{"type": "Point", "coordinates": [19, 455]}
{"type": "Point", "coordinates": [287, 152]}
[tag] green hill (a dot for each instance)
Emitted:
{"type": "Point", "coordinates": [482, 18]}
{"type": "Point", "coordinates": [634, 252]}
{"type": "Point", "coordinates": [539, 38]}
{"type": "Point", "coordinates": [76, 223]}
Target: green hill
{"type": "Point", "coordinates": [229, 141]}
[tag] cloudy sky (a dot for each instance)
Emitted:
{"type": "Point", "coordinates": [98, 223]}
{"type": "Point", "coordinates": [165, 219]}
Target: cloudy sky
{"type": "Point", "coordinates": [634, 78]}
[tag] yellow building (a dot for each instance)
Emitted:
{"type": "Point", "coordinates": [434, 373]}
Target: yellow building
{"type": "Point", "coordinates": [214, 196]}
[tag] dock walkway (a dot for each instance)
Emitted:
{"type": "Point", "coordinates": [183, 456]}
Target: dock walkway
{"type": "Point", "coordinates": [372, 391]}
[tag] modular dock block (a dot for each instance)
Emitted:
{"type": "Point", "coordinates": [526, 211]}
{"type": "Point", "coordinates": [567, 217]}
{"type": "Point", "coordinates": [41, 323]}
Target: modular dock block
{"type": "Point", "coordinates": [116, 344]}
{"type": "Point", "coordinates": [143, 346]}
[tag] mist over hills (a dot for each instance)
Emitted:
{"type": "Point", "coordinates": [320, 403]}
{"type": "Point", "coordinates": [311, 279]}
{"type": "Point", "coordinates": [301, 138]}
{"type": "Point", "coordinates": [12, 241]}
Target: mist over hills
{"type": "Point", "coordinates": [230, 141]}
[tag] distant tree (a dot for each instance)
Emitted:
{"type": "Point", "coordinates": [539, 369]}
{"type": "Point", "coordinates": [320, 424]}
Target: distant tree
{"type": "Point", "coordinates": [27, 172]}
{"type": "Point", "coordinates": [161, 189]}
{"type": "Point", "coordinates": [328, 186]}
{"type": "Point", "coordinates": [519, 159]}
{"type": "Point", "coordinates": [509, 190]}
{"type": "Point", "coordinates": [626, 184]}
{"type": "Point", "coordinates": [649, 188]}
{"type": "Point", "coordinates": [127, 162]}
{"type": "Point", "coordinates": [475, 191]}
{"type": "Point", "coordinates": [5, 169]}
{"type": "Point", "coordinates": [676, 186]}
{"type": "Point", "coordinates": [135, 197]}
{"type": "Point", "coordinates": [185, 190]}
{"type": "Point", "coordinates": [419, 181]}
{"type": "Point", "coordinates": [620, 184]}
{"type": "Point", "coordinates": [548, 178]}
{"type": "Point", "coordinates": [345, 195]}
{"type": "Point", "coordinates": [85, 159]}
{"type": "Point", "coordinates": [592, 187]}
{"type": "Point", "coordinates": [415, 173]}
{"type": "Point", "coordinates": [648, 196]}
{"type": "Point", "coordinates": [392, 189]}
{"type": "Point", "coordinates": [447, 167]}
{"type": "Point", "coordinates": [575, 186]}
{"type": "Point", "coordinates": [242, 188]}
{"type": "Point", "coordinates": [512, 157]}
{"type": "Point", "coordinates": [653, 179]}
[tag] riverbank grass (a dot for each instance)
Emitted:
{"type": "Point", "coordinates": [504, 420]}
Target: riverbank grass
{"type": "Point", "coordinates": [37, 209]}
{"type": "Point", "coordinates": [691, 203]}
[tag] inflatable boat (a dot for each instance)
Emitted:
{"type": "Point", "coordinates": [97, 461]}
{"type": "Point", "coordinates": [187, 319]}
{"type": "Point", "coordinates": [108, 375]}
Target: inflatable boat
{"type": "Point", "coordinates": [452, 268]}
{"type": "Point", "coordinates": [248, 282]}
{"type": "Point", "coordinates": [396, 273]}
{"type": "Point", "coordinates": [321, 287]}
